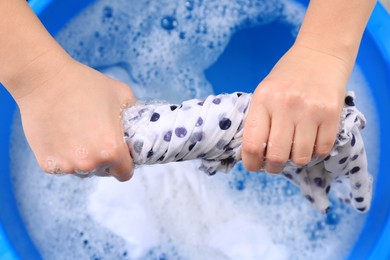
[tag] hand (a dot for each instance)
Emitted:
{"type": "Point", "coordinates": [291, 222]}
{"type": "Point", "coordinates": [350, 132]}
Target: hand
{"type": "Point", "coordinates": [72, 121]}
{"type": "Point", "coordinates": [295, 110]}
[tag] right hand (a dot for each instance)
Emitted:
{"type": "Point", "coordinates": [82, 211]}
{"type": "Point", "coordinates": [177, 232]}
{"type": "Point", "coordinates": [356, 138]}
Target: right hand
{"type": "Point", "coordinates": [295, 111]}
{"type": "Point", "coordinates": [72, 121]}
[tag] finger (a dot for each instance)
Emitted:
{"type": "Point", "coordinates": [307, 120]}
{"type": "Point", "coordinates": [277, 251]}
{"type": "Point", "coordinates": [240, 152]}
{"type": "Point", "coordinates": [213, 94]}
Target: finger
{"type": "Point", "coordinates": [303, 145]}
{"type": "Point", "coordinates": [326, 136]}
{"type": "Point", "coordinates": [255, 137]}
{"type": "Point", "coordinates": [52, 165]}
{"type": "Point", "coordinates": [279, 143]}
{"type": "Point", "coordinates": [122, 168]}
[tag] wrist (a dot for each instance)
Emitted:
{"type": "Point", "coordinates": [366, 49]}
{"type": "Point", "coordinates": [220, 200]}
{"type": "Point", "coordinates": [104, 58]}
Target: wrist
{"type": "Point", "coordinates": [344, 49]}
{"type": "Point", "coordinates": [36, 71]}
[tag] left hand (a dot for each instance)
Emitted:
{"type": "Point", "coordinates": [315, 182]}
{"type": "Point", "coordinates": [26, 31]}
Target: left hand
{"type": "Point", "coordinates": [295, 110]}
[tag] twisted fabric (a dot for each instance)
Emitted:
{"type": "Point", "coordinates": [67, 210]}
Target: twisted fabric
{"type": "Point", "coordinates": [211, 130]}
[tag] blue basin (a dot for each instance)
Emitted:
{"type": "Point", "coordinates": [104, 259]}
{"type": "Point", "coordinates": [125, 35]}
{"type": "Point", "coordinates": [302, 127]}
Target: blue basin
{"type": "Point", "coordinates": [373, 59]}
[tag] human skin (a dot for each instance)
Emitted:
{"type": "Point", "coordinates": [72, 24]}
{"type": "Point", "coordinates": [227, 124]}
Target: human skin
{"type": "Point", "coordinates": [295, 110]}
{"type": "Point", "coordinates": [70, 112]}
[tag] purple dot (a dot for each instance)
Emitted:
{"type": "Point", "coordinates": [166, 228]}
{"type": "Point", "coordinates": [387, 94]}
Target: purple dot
{"type": "Point", "coordinates": [191, 146]}
{"type": "Point", "coordinates": [245, 109]}
{"type": "Point", "coordinates": [180, 132]}
{"type": "Point", "coordinates": [353, 158]}
{"type": "Point", "coordinates": [355, 170]}
{"type": "Point", "coordinates": [225, 123]}
{"type": "Point", "coordinates": [196, 137]}
{"type": "Point", "coordinates": [319, 182]}
{"type": "Point", "coordinates": [143, 110]}
{"type": "Point", "coordinates": [173, 107]}
{"type": "Point", "coordinates": [309, 198]}
{"type": "Point", "coordinates": [168, 136]}
{"type": "Point", "coordinates": [138, 146]}
{"type": "Point", "coordinates": [150, 154]}
{"type": "Point", "coordinates": [359, 199]}
{"type": "Point", "coordinates": [221, 144]}
{"type": "Point", "coordinates": [217, 101]}
{"type": "Point", "coordinates": [357, 186]}
{"type": "Point", "coordinates": [212, 173]}
{"type": "Point", "coordinates": [202, 155]}
{"type": "Point", "coordinates": [199, 122]}
{"type": "Point", "coordinates": [200, 103]}
{"type": "Point", "coordinates": [343, 160]}
{"type": "Point", "coordinates": [155, 117]}
{"type": "Point", "coordinates": [353, 140]}
{"type": "Point", "coordinates": [349, 101]}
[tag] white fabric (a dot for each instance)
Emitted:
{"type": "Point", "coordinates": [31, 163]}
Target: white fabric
{"type": "Point", "coordinates": [211, 130]}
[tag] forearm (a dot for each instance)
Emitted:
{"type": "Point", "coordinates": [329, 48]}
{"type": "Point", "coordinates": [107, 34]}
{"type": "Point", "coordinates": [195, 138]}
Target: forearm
{"type": "Point", "coordinates": [28, 54]}
{"type": "Point", "coordinates": [335, 27]}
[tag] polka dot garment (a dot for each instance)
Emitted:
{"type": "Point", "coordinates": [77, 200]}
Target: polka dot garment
{"type": "Point", "coordinates": [211, 130]}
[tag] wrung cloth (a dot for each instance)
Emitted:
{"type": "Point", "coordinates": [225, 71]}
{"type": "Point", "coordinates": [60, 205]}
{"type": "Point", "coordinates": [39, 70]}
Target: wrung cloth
{"type": "Point", "coordinates": [211, 130]}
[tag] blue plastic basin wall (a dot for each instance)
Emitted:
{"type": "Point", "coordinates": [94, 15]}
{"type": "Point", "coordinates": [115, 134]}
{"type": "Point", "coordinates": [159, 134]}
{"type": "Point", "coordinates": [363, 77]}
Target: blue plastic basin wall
{"type": "Point", "coordinates": [373, 59]}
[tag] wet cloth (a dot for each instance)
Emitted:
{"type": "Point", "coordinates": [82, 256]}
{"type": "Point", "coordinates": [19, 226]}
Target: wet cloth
{"type": "Point", "coordinates": [211, 130]}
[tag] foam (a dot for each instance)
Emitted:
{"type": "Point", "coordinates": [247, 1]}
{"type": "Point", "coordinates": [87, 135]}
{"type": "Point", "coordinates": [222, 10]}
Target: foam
{"type": "Point", "coordinates": [136, 42]}
{"type": "Point", "coordinates": [173, 211]}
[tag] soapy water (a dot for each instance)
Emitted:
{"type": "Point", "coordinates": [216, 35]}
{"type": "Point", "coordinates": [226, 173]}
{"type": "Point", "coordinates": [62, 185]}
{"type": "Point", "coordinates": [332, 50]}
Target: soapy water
{"type": "Point", "coordinates": [173, 211]}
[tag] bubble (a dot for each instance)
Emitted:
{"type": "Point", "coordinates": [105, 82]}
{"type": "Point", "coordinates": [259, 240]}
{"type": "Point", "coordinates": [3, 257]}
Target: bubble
{"type": "Point", "coordinates": [168, 23]}
{"type": "Point", "coordinates": [108, 12]}
{"type": "Point", "coordinates": [332, 219]}
{"type": "Point", "coordinates": [82, 153]}
{"type": "Point", "coordinates": [182, 35]}
{"type": "Point", "coordinates": [162, 206]}
{"type": "Point", "coordinates": [189, 5]}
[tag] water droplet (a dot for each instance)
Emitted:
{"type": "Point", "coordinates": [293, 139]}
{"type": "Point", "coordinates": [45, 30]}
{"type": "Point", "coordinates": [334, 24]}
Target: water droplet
{"type": "Point", "coordinates": [168, 23]}
{"type": "Point", "coordinates": [50, 165]}
{"type": "Point", "coordinates": [82, 153]}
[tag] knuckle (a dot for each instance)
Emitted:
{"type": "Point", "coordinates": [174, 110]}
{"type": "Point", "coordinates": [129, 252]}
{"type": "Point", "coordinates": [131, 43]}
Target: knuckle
{"type": "Point", "coordinates": [110, 152]}
{"type": "Point", "coordinates": [330, 109]}
{"type": "Point", "coordinates": [123, 177]}
{"type": "Point", "coordinates": [87, 165]}
{"type": "Point", "coordinates": [43, 165]}
{"type": "Point", "coordinates": [50, 166]}
{"type": "Point", "coordinates": [324, 148]}
{"type": "Point", "coordinates": [301, 160]}
{"type": "Point", "coordinates": [250, 165]}
{"type": "Point", "coordinates": [276, 159]}
{"type": "Point", "coordinates": [251, 148]}
{"type": "Point", "coordinates": [289, 99]}
{"type": "Point", "coordinates": [273, 170]}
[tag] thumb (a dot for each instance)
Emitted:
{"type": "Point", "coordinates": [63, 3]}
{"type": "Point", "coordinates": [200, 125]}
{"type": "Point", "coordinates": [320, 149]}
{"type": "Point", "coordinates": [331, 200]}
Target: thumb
{"type": "Point", "coordinates": [123, 168]}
